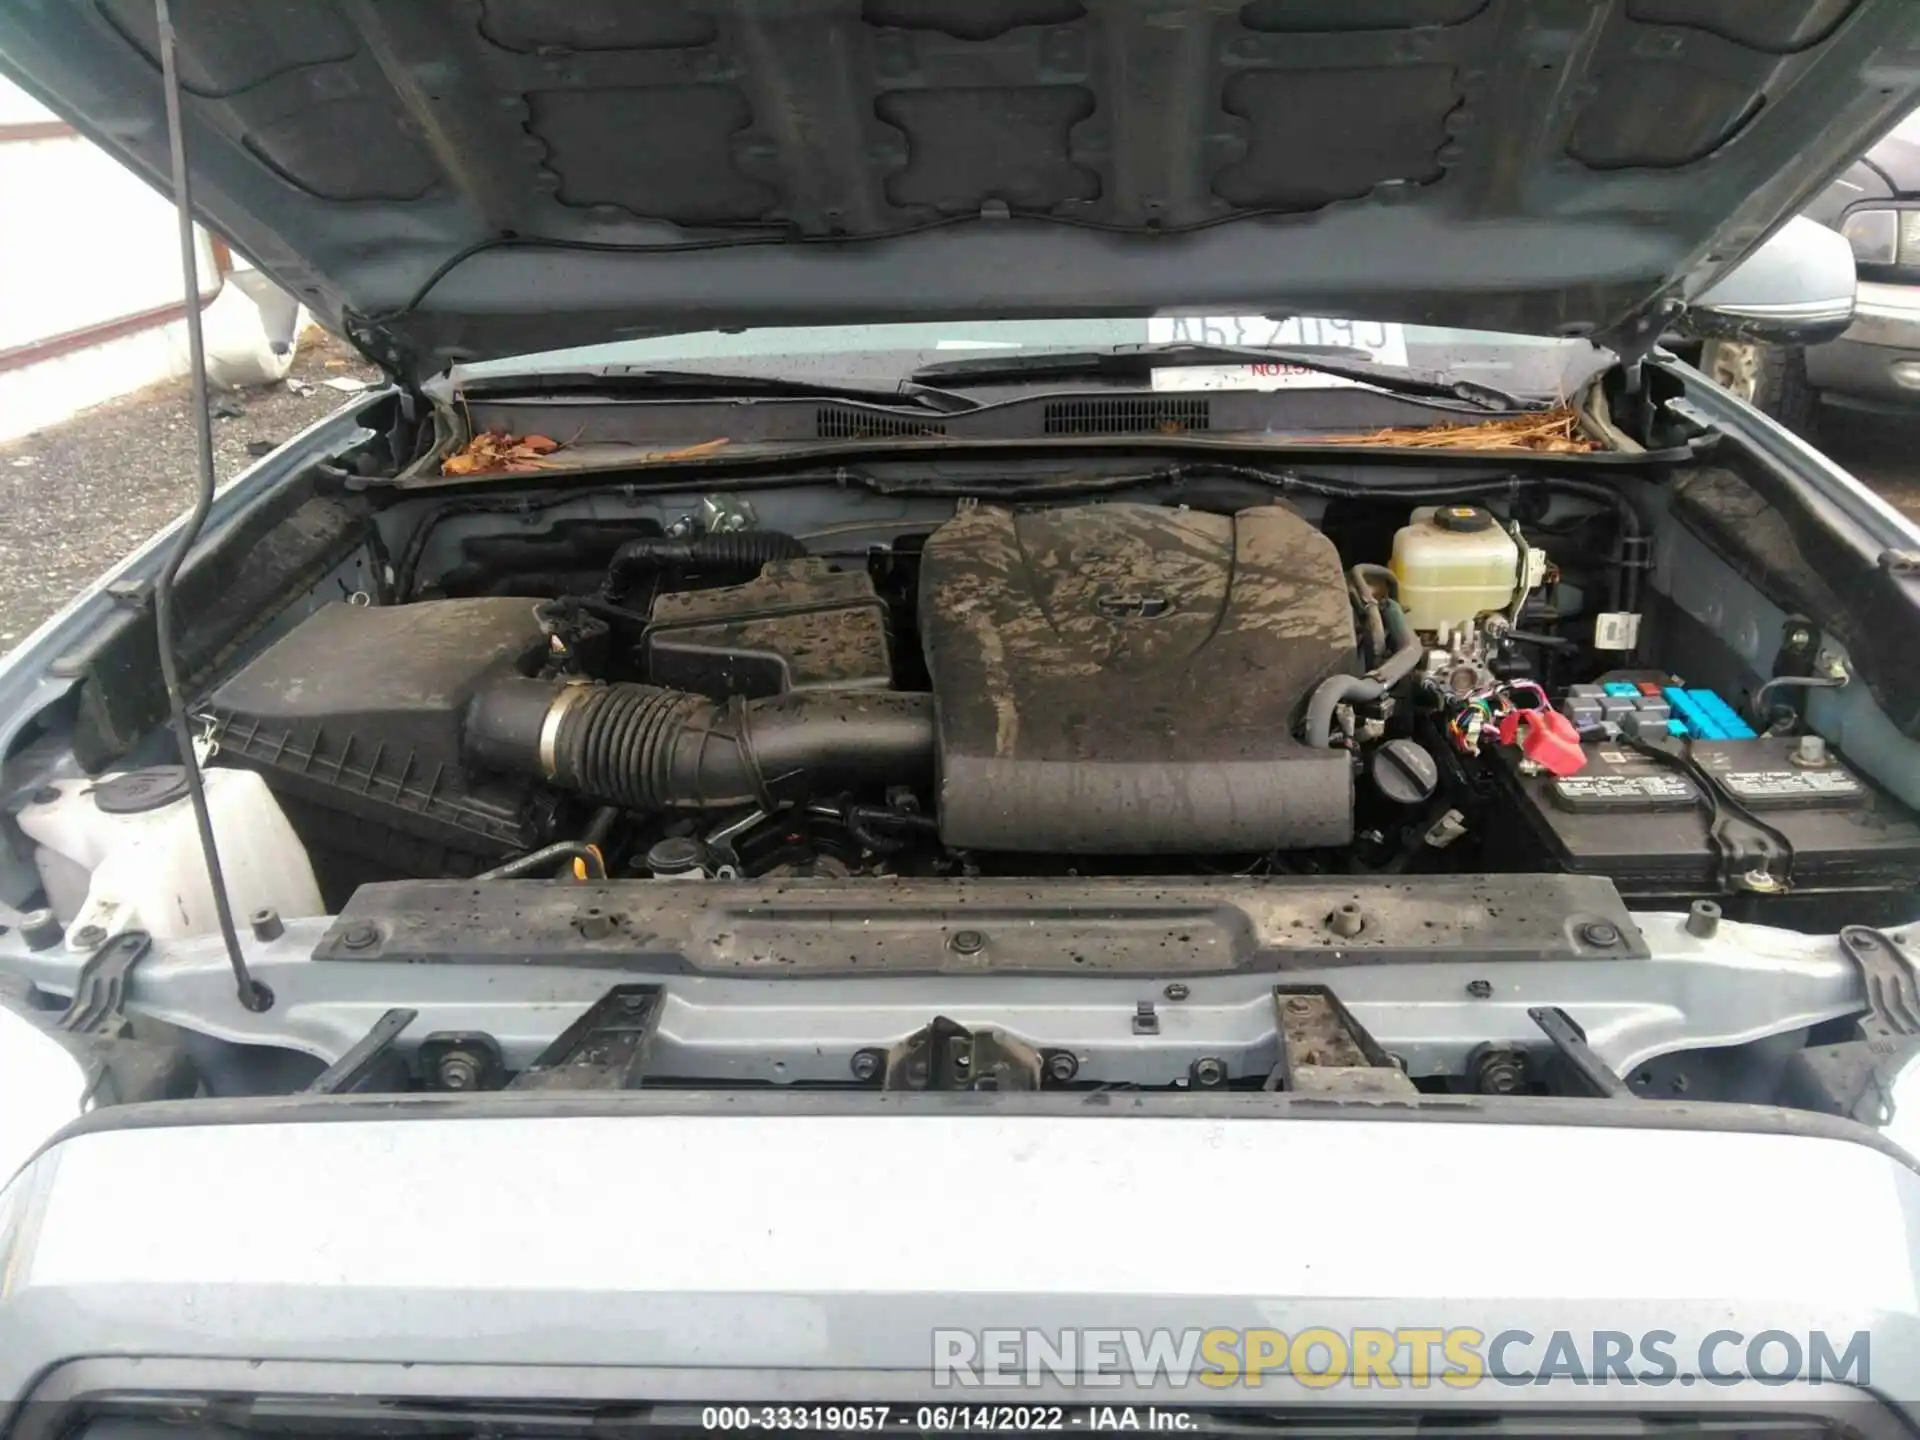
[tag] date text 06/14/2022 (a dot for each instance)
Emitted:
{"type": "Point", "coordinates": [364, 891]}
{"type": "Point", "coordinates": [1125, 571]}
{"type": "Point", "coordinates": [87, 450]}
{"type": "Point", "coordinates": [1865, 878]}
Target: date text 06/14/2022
{"type": "Point", "coordinates": [922, 1419]}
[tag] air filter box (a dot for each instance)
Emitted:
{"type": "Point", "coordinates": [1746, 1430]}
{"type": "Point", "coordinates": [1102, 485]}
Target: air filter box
{"type": "Point", "coordinates": [354, 720]}
{"type": "Point", "coordinates": [799, 625]}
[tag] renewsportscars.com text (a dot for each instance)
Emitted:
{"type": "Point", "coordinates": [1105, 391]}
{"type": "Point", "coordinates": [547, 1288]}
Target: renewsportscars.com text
{"type": "Point", "coordinates": [1415, 1357]}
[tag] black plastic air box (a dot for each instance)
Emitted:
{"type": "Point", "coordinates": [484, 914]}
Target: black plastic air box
{"type": "Point", "coordinates": [354, 719]}
{"type": "Point", "coordinates": [800, 625]}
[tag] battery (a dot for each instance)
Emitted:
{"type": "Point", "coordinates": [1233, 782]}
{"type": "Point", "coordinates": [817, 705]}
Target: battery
{"type": "Point", "coordinates": [1644, 825]}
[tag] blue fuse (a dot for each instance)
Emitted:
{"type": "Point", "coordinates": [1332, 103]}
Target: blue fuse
{"type": "Point", "coordinates": [1689, 713]}
{"type": "Point", "coordinates": [1706, 715]}
{"type": "Point", "coordinates": [1622, 690]}
{"type": "Point", "coordinates": [1725, 717]}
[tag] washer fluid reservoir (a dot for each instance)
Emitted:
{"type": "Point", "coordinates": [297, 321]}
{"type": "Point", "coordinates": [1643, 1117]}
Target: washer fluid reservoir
{"type": "Point", "coordinates": [123, 852]}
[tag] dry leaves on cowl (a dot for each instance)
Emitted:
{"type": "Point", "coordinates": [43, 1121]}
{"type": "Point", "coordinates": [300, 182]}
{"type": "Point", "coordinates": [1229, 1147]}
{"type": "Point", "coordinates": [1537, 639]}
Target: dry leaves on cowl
{"type": "Point", "coordinates": [1554, 432]}
{"type": "Point", "coordinates": [496, 452]}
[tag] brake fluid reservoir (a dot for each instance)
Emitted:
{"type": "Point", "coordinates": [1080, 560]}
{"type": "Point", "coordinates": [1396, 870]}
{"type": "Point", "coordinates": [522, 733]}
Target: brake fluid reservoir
{"type": "Point", "coordinates": [123, 852]}
{"type": "Point", "coordinates": [1454, 563]}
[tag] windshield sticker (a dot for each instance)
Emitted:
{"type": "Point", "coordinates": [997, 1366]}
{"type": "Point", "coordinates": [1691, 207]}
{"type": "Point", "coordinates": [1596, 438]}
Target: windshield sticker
{"type": "Point", "coordinates": [1366, 340]}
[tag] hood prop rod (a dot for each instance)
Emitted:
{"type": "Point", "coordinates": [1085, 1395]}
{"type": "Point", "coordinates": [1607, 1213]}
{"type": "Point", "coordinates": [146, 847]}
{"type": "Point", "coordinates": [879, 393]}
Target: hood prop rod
{"type": "Point", "coordinates": [253, 995]}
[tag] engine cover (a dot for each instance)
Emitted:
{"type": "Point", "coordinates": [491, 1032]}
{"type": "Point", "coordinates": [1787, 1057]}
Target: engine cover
{"type": "Point", "coordinates": [1125, 679]}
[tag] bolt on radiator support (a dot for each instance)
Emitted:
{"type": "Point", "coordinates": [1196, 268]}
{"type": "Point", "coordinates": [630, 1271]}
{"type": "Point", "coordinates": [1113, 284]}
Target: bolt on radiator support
{"type": "Point", "coordinates": [725, 1020]}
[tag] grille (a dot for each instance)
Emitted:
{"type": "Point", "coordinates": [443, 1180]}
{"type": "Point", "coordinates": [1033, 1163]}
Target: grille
{"type": "Point", "coordinates": [1132, 416]}
{"type": "Point", "coordinates": [835, 422]}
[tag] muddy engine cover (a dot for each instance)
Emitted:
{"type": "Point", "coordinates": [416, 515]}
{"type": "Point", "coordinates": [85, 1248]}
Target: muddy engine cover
{"type": "Point", "coordinates": [1125, 679]}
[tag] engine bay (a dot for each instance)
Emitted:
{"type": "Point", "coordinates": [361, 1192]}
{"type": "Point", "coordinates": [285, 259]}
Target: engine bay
{"type": "Point", "coordinates": [1069, 775]}
{"type": "Point", "coordinates": [1111, 687]}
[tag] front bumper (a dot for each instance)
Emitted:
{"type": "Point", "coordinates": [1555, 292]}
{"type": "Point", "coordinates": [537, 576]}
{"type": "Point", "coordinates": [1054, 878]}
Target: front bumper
{"type": "Point", "coordinates": [1877, 362]}
{"type": "Point", "coordinates": [663, 1247]}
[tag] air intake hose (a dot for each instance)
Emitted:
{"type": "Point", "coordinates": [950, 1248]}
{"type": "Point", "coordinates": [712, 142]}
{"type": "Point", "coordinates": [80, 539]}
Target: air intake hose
{"type": "Point", "coordinates": [743, 550]}
{"type": "Point", "coordinates": [646, 748]}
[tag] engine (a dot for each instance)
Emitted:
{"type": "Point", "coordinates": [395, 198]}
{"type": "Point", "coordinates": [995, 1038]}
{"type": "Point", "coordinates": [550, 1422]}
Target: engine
{"type": "Point", "coordinates": [1122, 679]}
{"type": "Point", "coordinates": [1118, 688]}
{"type": "Point", "coordinates": [1125, 679]}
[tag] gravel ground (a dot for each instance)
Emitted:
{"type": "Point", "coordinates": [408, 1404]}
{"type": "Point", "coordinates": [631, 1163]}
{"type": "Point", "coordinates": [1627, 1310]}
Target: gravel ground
{"type": "Point", "coordinates": [77, 496]}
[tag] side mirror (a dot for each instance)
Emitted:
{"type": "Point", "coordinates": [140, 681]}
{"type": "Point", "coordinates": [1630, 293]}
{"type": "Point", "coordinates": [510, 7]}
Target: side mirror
{"type": "Point", "coordinates": [1796, 289]}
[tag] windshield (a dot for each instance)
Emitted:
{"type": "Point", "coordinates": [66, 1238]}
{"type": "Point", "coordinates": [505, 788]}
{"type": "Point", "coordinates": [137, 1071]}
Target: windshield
{"type": "Point", "coordinates": [1531, 365]}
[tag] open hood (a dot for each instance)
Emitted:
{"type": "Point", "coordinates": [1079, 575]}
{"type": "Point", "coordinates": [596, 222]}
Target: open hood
{"type": "Point", "coordinates": [456, 179]}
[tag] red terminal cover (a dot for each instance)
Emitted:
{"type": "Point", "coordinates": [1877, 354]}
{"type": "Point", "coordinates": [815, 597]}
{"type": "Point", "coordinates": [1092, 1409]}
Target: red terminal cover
{"type": "Point", "coordinates": [1545, 736]}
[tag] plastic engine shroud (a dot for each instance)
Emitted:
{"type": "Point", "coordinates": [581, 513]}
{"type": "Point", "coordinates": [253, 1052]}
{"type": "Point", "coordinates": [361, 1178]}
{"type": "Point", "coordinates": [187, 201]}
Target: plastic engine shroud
{"type": "Point", "coordinates": [1126, 679]}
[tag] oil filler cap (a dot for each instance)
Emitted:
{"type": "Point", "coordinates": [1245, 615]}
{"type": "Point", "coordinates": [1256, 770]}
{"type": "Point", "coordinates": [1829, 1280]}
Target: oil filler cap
{"type": "Point", "coordinates": [139, 791]}
{"type": "Point", "coordinates": [1462, 519]}
{"type": "Point", "coordinates": [1404, 772]}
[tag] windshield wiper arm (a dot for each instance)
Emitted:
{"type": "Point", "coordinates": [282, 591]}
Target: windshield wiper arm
{"type": "Point", "coordinates": [712, 384]}
{"type": "Point", "coordinates": [1135, 360]}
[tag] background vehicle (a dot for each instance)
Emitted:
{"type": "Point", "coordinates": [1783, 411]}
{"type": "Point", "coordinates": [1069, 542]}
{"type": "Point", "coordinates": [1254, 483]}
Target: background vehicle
{"type": "Point", "coordinates": [1875, 366]}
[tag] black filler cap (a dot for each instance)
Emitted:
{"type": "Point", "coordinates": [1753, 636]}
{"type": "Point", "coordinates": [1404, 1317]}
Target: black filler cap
{"type": "Point", "coordinates": [1462, 519]}
{"type": "Point", "coordinates": [139, 791]}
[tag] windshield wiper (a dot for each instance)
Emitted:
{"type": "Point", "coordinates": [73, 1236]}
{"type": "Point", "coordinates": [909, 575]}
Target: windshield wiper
{"type": "Point", "coordinates": [1137, 360]}
{"type": "Point", "coordinates": [712, 384]}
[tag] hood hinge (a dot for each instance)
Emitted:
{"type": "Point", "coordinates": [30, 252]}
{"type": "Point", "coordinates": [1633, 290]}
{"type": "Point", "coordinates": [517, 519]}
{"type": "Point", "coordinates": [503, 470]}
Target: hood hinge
{"type": "Point", "coordinates": [379, 346]}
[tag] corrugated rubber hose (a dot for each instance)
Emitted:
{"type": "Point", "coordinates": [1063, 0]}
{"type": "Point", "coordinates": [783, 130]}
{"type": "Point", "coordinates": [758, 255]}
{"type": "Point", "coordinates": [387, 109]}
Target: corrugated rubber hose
{"type": "Point", "coordinates": [642, 747]}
